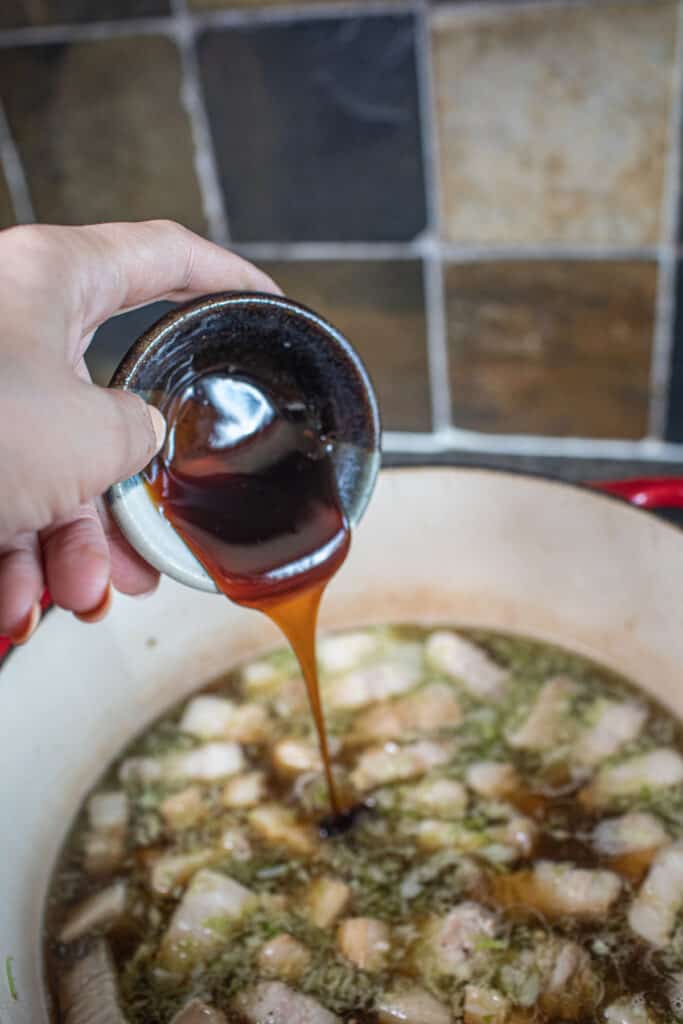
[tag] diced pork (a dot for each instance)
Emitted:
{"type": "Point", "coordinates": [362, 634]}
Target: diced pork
{"type": "Point", "coordinates": [443, 798]}
{"type": "Point", "coordinates": [108, 812]}
{"type": "Point", "coordinates": [245, 790]}
{"type": "Point", "coordinates": [492, 779]}
{"type": "Point", "coordinates": [346, 651]}
{"type": "Point", "coordinates": [654, 770]}
{"type": "Point", "coordinates": [455, 944]}
{"type": "Point", "coordinates": [364, 941]}
{"type": "Point", "coordinates": [176, 869]}
{"type": "Point", "coordinates": [277, 824]}
{"type": "Point", "coordinates": [197, 1012]}
{"type": "Point", "coordinates": [184, 809]}
{"type": "Point", "coordinates": [378, 766]}
{"type": "Point", "coordinates": [210, 904]}
{"type": "Point", "coordinates": [485, 1006]}
{"type": "Point", "coordinates": [614, 723]}
{"type": "Point", "coordinates": [653, 913]}
{"type": "Point", "coordinates": [207, 763]}
{"type": "Point", "coordinates": [291, 757]}
{"type": "Point", "coordinates": [629, 833]}
{"type": "Point", "coordinates": [463, 661]}
{"type": "Point", "coordinates": [549, 719]}
{"type": "Point", "coordinates": [88, 993]}
{"type": "Point", "coordinates": [557, 889]}
{"type": "Point", "coordinates": [375, 682]}
{"type": "Point", "coordinates": [96, 912]}
{"type": "Point", "coordinates": [430, 709]}
{"type": "Point", "coordinates": [283, 957]}
{"type": "Point", "coordinates": [207, 717]}
{"type": "Point", "coordinates": [411, 1006]}
{"type": "Point", "coordinates": [272, 1002]}
{"type": "Point", "coordinates": [326, 899]}
{"type": "Point", "coordinates": [629, 1010]}
{"type": "Point", "coordinates": [103, 852]}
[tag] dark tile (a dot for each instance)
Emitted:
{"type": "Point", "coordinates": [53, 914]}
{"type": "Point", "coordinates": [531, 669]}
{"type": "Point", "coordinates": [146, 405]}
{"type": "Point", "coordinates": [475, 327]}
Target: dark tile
{"type": "Point", "coordinates": [21, 13]}
{"type": "Point", "coordinates": [674, 426]}
{"type": "Point", "coordinates": [558, 348]}
{"type": "Point", "coordinates": [113, 339]}
{"type": "Point", "coordinates": [213, 5]}
{"type": "Point", "coordinates": [7, 217]}
{"type": "Point", "coordinates": [316, 128]}
{"type": "Point", "coordinates": [379, 306]}
{"type": "Point", "coordinates": [101, 130]}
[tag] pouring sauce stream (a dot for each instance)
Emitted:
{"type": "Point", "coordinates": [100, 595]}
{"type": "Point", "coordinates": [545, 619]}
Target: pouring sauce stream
{"type": "Point", "coordinates": [248, 482]}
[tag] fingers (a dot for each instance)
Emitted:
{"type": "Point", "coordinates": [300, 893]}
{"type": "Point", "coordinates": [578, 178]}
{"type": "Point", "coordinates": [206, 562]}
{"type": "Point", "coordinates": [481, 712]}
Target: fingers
{"type": "Point", "coordinates": [120, 266]}
{"type": "Point", "coordinates": [21, 586]}
{"type": "Point", "coordinates": [77, 564]}
{"type": "Point", "coordinates": [130, 574]}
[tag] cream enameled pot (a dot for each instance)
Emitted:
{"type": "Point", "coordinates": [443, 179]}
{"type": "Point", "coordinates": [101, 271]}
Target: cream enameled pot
{"type": "Point", "coordinates": [504, 551]}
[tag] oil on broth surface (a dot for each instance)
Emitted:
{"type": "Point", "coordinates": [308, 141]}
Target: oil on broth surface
{"type": "Point", "coordinates": [520, 858]}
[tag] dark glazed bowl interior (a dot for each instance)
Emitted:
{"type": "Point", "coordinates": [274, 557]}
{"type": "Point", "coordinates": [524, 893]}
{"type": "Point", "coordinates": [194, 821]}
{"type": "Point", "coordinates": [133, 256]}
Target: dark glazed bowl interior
{"type": "Point", "coordinates": [274, 342]}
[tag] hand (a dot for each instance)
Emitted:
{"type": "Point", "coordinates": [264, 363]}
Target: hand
{"type": "Point", "coordinates": [63, 441]}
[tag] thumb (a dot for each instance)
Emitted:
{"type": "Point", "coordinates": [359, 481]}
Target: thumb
{"type": "Point", "coordinates": [120, 434]}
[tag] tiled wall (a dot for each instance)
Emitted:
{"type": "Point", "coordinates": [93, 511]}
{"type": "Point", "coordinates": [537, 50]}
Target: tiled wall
{"type": "Point", "coordinates": [483, 195]}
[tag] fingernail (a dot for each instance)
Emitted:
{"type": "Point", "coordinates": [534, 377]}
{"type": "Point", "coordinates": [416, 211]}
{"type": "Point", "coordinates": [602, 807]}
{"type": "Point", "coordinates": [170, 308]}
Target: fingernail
{"type": "Point", "coordinates": [29, 627]}
{"type": "Point", "coordinates": [100, 610]}
{"type": "Point", "coordinates": [159, 424]}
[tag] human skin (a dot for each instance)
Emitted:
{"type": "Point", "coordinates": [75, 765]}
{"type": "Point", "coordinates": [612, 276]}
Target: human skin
{"type": "Point", "coordinates": [63, 440]}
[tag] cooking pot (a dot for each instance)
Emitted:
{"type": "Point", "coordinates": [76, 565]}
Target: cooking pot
{"type": "Point", "coordinates": [530, 555]}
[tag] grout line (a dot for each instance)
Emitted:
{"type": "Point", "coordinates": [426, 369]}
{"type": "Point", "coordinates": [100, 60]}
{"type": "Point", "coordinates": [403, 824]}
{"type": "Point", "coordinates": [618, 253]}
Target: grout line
{"type": "Point", "coordinates": [453, 438]}
{"type": "Point", "coordinates": [549, 251]}
{"type": "Point", "coordinates": [467, 9]}
{"type": "Point", "coordinates": [330, 250]}
{"type": "Point", "coordinates": [663, 340]}
{"type": "Point", "coordinates": [235, 18]}
{"type": "Point", "coordinates": [38, 35]}
{"type": "Point", "coordinates": [11, 164]}
{"type": "Point", "coordinates": [206, 166]}
{"type": "Point", "coordinates": [435, 311]}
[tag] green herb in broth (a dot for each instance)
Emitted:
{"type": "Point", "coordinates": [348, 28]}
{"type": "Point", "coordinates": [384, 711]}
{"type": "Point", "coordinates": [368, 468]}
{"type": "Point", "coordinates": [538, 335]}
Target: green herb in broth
{"type": "Point", "coordinates": [518, 796]}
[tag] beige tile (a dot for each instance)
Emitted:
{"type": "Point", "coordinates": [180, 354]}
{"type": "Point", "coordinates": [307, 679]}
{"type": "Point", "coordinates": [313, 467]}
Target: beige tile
{"type": "Point", "coordinates": [6, 209]}
{"type": "Point", "coordinates": [557, 348]}
{"type": "Point", "coordinates": [554, 121]}
{"type": "Point", "coordinates": [101, 130]}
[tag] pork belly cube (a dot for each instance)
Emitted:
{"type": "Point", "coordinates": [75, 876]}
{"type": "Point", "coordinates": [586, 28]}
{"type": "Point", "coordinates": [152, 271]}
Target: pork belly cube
{"type": "Point", "coordinates": [327, 899]}
{"type": "Point", "coordinates": [629, 833]}
{"type": "Point", "coordinates": [653, 913]}
{"type": "Point", "coordinates": [613, 724]}
{"type": "Point", "coordinates": [365, 941]}
{"type": "Point", "coordinates": [343, 652]}
{"type": "Point", "coordinates": [172, 870]}
{"type": "Point", "coordinates": [494, 780]}
{"type": "Point", "coordinates": [379, 766]}
{"type": "Point", "coordinates": [443, 798]}
{"type": "Point", "coordinates": [108, 812]}
{"type": "Point", "coordinates": [485, 1006]}
{"type": "Point", "coordinates": [549, 718]}
{"type": "Point", "coordinates": [455, 944]}
{"type": "Point", "coordinates": [245, 790]}
{"type": "Point", "coordinates": [283, 957]}
{"type": "Point", "coordinates": [411, 1006]}
{"type": "Point", "coordinates": [197, 1012]}
{"type": "Point", "coordinates": [557, 889]}
{"type": "Point", "coordinates": [272, 1002]}
{"type": "Point", "coordinates": [654, 770]}
{"type": "Point", "coordinates": [464, 662]}
{"type": "Point", "coordinates": [277, 824]}
{"type": "Point", "coordinates": [183, 809]}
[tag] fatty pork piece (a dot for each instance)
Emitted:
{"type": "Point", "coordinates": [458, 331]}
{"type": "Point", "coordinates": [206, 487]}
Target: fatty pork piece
{"type": "Point", "coordinates": [99, 911]}
{"type": "Point", "coordinates": [494, 780]}
{"type": "Point", "coordinates": [346, 651]}
{"type": "Point", "coordinates": [464, 662]}
{"type": "Point", "coordinates": [378, 766]}
{"type": "Point", "coordinates": [555, 977]}
{"type": "Point", "coordinates": [364, 941]}
{"type": "Point", "coordinates": [549, 721]}
{"type": "Point", "coordinates": [208, 763]}
{"type": "Point", "coordinates": [272, 1002]}
{"type": "Point", "coordinates": [217, 718]}
{"type": "Point", "coordinates": [612, 724]}
{"type": "Point", "coordinates": [87, 992]}
{"type": "Point", "coordinates": [437, 797]}
{"type": "Point", "coordinates": [629, 1010]}
{"type": "Point", "coordinates": [429, 709]}
{"type": "Point", "coordinates": [197, 1012]}
{"type": "Point", "coordinates": [653, 913]}
{"type": "Point", "coordinates": [104, 844]}
{"type": "Point", "coordinates": [210, 904]}
{"type": "Point", "coordinates": [326, 899]}
{"type": "Point", "coordinates": [629, 833]}
{"type": "Point", "coordinates": [411, 1006]}
{"type": "Point", "coordinates": [654, 770]}
{"type": "Point", "coordinates": [399, 672]}
{"type": "Point", "coordinates": [556, 890]}
{"type": "Point", "coordinates": [283, 957]}
{"type": "Point", "coordinates": [455, 945]}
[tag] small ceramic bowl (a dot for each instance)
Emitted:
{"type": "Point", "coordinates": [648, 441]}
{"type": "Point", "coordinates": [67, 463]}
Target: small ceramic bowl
{"type": "Point", "coordinates": [271, 338]}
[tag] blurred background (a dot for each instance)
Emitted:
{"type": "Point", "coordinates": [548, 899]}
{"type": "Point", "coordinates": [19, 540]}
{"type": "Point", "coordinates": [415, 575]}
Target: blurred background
{"type": "Point", "coordinates": [484, 196]}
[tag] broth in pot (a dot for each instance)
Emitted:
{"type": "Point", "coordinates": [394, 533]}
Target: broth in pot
{"type": "Point", "coordinates": [518, 857]}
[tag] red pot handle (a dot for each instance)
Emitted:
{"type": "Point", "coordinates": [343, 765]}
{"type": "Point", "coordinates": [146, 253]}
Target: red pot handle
{"type": "Point", "coordinates": [646, 492]}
